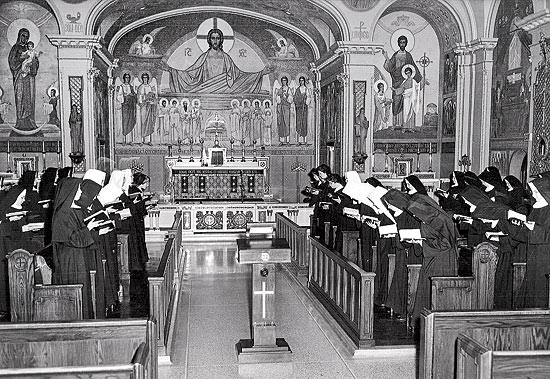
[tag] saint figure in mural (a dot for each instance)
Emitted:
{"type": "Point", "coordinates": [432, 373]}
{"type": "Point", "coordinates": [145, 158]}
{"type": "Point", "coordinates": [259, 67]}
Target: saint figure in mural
{"type": "Point", "coordinates": [53, 118]}
{"type": "Point", "coordinates": [382, 106]}
{"type": "Point", "coordinates": [268, 122]}
{"type": "Point", "coordinates": [284, 101]}
{"type": "Point", "coordinates": [24, 67]}
{"type": "Point", "coordinates": [302, 100]}
{"type": "Point", "coordinates": [76, 131]}
{"type": "Point", "coordinates": [410, 90]}
{"type": "Point", "coordinates": [127, 98]}
{"type": "Point", "coordinates": [147, 100]}
{"type": "Point", "coordinates": [257, 123]}
{"type": "Point", "coordinates": [360, 129]}
{"type": "Point", "coordinates": [215, 72]}
{"type": "Point", "coordinates": [394, 66]}
{"type": "Point", "coordinates": [235, 120]}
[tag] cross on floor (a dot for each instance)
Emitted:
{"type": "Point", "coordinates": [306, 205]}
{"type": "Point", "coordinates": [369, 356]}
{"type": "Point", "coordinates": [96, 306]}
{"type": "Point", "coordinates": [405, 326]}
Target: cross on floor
{"type": "Point", "coordinates": [263, 292]}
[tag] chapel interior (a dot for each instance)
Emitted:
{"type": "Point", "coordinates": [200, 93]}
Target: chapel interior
{"type": "Point", "coordinates": [224, 115]}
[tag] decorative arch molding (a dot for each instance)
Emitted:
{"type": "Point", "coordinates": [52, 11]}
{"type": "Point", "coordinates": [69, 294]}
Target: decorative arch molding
{"type": "Point", "coordinates": [176, 12]}
{"type": "Point", "coordinates": [323, 5]}
{"type": "Point", "coordinates": [492, 18]}
{"type": "Point", "coordinates": [463, 19]}
{"type": "Point", "coordinates": [336, 15]}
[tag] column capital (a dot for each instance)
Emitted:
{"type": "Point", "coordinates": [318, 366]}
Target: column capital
{"type": "Point", "coordinates": [535, 20]}
{"type": "Point", "coordinates": [487, 44]}
{"type": "Point", "coordinates": [75, 42]}
{"type": "Point", "coordinates": [355, 47]}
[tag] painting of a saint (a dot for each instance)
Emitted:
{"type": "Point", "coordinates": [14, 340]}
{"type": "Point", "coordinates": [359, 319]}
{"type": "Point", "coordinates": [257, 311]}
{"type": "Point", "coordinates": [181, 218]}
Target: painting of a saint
{"type": "Point", "coordinates": [215, 72]}
{"type": "Point", "coordinates": [24, 67]}
{"type": "Point", "coordinates": [77, 134]}
{"type": "Point", "coordinates": [126, 101]}
{"type": "Point", "coordinates": [394, 67]}
{"type": "Point", "coordinates": [284, 99]}
{"type": "Point", "coordinates": [382, 106]}
{"type": "Point", "coordinates": [147, 100]}
{"type": "Point", "coordinates": [302, 100]}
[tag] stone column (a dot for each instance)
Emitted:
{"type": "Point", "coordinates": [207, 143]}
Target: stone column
{"type": "Point", "coordinates": [76, 74]}
{"type": "Point", "coordinates": [473, 121]}
{"type": "Point", "coordinates": [357, 64]}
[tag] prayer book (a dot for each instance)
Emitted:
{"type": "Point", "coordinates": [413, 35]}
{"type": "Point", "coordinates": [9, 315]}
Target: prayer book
{"type": "Point", "coordinates": [410, 234]}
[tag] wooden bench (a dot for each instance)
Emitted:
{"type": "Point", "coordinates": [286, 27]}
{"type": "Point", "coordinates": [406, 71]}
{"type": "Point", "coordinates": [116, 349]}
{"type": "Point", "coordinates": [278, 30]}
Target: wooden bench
{"type": "Point", "coordinates": [440, 330]}
{"type": "Point", "coordinates": [79, 349]}
{"type": "Point", "coordinates": [123, 264]}
{"type": "Point", "coordinates": [164, 286]}
{"type": "Point", "coordinates": [500, 352]}
{"type": "Point", "coordinates": [471, 292]}
{"type": "Point", "coordinates": [30, 302]}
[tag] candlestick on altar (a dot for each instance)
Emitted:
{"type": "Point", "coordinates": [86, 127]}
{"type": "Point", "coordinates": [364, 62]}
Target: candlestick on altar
{"type": "Point", "coordinates": [386, 159]}
{"type": "Point", "coordinates": [243, 141]}
{"type": "Point", "coordinates": [58, 153]}
{"type": "Point", "coordinates": [418, 158]}
{"type": "Point", "coordinates": [430, 156]}
{"type": "Point", "coordinates": [44, 154]}
{"type": "Point", "coordinates": [191, 142]}
{"type": "Point", "coordinates": [254, 159]}
{"type": "Point", "coordinates": [232, 141]}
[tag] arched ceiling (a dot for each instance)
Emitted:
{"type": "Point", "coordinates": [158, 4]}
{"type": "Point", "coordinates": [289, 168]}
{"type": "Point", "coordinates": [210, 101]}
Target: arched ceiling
{"type": "Point", "coordinates": [297, 14]}
{"type": "Point", "coordinates": [444, 23]}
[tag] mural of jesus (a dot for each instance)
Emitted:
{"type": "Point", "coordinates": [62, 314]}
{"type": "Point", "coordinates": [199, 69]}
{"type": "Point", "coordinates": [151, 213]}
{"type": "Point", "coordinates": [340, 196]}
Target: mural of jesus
{"type": "Point", "coordinates": [215, 72]}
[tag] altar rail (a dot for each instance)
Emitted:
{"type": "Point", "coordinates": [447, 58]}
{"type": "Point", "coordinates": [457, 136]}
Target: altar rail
{"type": "Point", "coordinates": [345, 290]}
{"type": "Point", "coordinates": [164, 285]}
{"type": "Point", "coordinates": [216, 217]}
{"type": "Point", "coordinates": [297, 236]}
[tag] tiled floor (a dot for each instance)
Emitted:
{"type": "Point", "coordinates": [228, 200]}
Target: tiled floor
{"type": "Point", "coordinates": [214, 315]}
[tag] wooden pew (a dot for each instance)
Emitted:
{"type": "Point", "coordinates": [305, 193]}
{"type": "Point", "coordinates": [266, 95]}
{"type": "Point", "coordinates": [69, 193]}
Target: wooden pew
{"type": "Point", "coordinates": [507, 352]}
{"type": "Point", "coordinates": [464, 293]}
{"type": "Point", "coordinates": [519, 274]}
{"type": "Point", "coordinates": [123, 264]}
{"type": "Point", "coordinates": [440, 330]}
{"type": "Point", "coordinates": [79, 349]}
{"type": "Point", "coordinates": [413, 274]}
{"type": "Point", "coordinates": [164, 286]}
{"type": "Point", "coordinates": [30, 302]}
{"type": "Point", "coordinates": [350, 245]}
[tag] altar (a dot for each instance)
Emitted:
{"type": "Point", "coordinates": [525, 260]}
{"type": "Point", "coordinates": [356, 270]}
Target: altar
{"type": "Point", "coordinates": [214, 177]}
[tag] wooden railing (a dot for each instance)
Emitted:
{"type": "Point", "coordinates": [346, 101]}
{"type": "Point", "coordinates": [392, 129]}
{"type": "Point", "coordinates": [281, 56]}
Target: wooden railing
{"type": "Point", "coordinates": [164, 285]}
{"type": "Point", "coordinates": [345, 290]}
{"type": "Point", "coordinates": [297, 237]}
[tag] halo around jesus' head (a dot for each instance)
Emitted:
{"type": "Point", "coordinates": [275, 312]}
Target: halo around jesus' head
{"type": "Point", "coordinates": [215, 23]}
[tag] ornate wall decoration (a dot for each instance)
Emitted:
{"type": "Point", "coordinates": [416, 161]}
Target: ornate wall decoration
{"type": "Point", "coordinates": [209, 220]}
{"type": "Point", "coordinates": [238, 219]}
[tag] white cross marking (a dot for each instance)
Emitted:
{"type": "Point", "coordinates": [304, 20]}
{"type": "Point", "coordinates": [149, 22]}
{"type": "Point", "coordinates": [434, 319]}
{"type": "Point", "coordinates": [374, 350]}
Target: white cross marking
{"type": "Point", "coordinates": [263, 292]}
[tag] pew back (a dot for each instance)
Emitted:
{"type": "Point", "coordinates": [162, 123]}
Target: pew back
{"type": "Point", "coordinates": [440, 330]}
{"type": "Point", "coordinates": [35, 302]}
{"type": "Point", "coordinates": [494, 352]}
{"type": "Point", "coordinates": [81, 347]}
{"type": "Point", "coordinates": [465, 293]}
